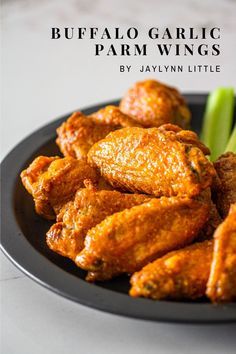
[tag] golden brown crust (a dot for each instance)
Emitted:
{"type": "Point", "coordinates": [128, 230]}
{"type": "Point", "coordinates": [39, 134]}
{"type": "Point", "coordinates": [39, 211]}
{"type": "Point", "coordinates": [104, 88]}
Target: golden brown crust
{"type": "Point", "coordinates": [53, 181]}
{"type": "Point", "coordinates": [112, 115]}
{"type": "Point", "coordinates": [152, 104]}
{"type": "Point", "coordinates": [158, 161]}
{"type": "Point", "coordinates": [181, 274]}
{"type": "Point", "coordinates": [212, 223]}
{"type": "Point", "coordinates": [77, 135]}
{"type": "Point", "coordinates": [89, 208]}
{"type": "Point", "coordinates": [126, 241]}
{"type": "Point", "coordinates": [225, 187]}
{"type": "Point", "coordinates": [222, 282]}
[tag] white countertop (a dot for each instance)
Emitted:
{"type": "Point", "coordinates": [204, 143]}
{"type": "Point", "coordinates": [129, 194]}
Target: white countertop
{"type": "Point", "coordinates": [43, 79]}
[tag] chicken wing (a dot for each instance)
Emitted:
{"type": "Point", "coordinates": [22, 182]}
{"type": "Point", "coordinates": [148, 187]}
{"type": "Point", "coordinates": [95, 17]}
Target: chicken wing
{"type": "Point", "coordinates": [164, 161]}
{"type": "Point", "coordinates": [89, 208]}
{"type": "Point", "coordinates": [112, 115]}
{"type": "Point", "coordinates": [152, 104]}
{"type": "Point", "coordinates": [181, 274]}
{"type": "Point", "coordinates": [206, 233]}
{"type": "Point", "coordinates": [79, 132]}
{"type": "Point", "coordinates": [53, 181]}
{"type": "Point", "coordinates": [224, 190]}
{"type": "Point", "coordinates": [126, 241]}
{"type": "Point", "coordinates": [222, 281]}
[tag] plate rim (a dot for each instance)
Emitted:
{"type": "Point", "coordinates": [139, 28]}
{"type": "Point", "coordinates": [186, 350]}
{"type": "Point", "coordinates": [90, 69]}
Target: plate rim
{"type": "Point", "coordinates": [50, 275]}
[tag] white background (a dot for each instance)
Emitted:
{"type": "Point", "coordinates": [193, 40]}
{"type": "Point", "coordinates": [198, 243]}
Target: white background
{"type": "Point", "coordinates": [42, 79]}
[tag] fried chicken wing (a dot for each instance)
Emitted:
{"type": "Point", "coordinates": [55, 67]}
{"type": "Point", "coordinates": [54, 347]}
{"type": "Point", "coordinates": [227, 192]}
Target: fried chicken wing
{"type": "Point", "coordinates": [89, 208]}
{"type": "Point", "coordinates": [53, 181]}
{"type": "Point", "coordinates": [152, 104]}
{"type": "Point", "coordinates": [112, 115]}
{"type": "Point", "coordinates": [225, 189]}
{"type": "Point", "coordinates": [79, 132]}
{"type": "Point", "coordinates": [222, 281]}
{"type": "Point", "coordinates": [164, 161]}
{"type": "Point", "coordinates": [126, 241]}
{"type": "Point", "coordinates": [181, 274]}
{"type": "Point", "coordinates": [212, 223]}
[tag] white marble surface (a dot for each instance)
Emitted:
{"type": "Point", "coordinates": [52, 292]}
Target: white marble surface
{"type": "Point", "coordinates": [43, 79]}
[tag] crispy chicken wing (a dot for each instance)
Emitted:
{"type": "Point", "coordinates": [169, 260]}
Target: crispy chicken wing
{"type": "Point", "coordinates": [79, 132]}
{"type": "Point", "coordinates": [152, 104]}
{"type": "Point", "coordinates": [164, 161]}
{"type": "Point", "coordinates": [89, 208]}
{"type": "Point", "coordinates": [222, 282]}
{"type": "Point", "coordinates": [126, 241]}
{"type": "Point", "coordinates": [112, 115]}
{"type": "Point", "coordinates": [212, 223]}
{"type": "Point", "coordinates": [225, 189]}
{"type": "Point", "coordinates": [53, 181]}
{"type": "Point", "coordinates": [181, 274]}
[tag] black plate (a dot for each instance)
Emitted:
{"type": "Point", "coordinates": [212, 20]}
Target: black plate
{"type": "Point", "coordinates": [23, 241]}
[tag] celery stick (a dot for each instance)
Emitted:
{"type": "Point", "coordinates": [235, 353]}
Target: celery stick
{"type": "Point", "coordinates": [217, 121]}
{"type": "Point", "coordinates": [231, 146]}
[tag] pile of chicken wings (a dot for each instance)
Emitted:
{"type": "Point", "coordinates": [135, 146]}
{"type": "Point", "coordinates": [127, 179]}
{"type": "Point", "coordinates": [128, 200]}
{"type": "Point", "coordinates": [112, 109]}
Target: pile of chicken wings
{"type": "Point", "coordinates": [136, 194]}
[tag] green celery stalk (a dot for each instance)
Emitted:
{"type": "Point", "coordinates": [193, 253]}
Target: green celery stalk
{"type": "Point", "coordinates": [231, 146]}
{"type": "Point", "coordinates": [217, 121]}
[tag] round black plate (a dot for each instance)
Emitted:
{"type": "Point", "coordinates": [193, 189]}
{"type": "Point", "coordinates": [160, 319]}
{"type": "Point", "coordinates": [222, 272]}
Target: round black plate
{"type": "Point", "coordinates": [23, 241]}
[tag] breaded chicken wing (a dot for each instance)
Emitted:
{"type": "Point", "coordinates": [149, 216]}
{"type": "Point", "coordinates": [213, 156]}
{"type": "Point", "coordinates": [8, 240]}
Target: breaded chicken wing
{"type": "Point", "coordinates": [79, 132]}
{"type": "Point", "coordinates": [222, 281]}
{"type": "Point", "coordinates": [89, 208]}
{"type": "Point", "coordinates": [164, 161]}
{"type": "Point", "coordinates": [126, 241]}
{"type": "Point", "coordinates": [225, 189]}
{"type": "Point", "coordinates": [152, 104]}
{"type": "Point", "coordinates": [181, 274]}
{"type": "Point", "coordinates": [53, 181]}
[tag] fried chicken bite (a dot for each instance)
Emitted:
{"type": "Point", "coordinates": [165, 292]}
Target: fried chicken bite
{"type": "Point", "coordinates": [89, 207]}
{"type": "Point", "coordinates": [164, 161]}
{"type": "Point", "coordinates": [180, 274]}
{"type": "Point", "coordinates": [126, 241]}
{"type": "Point", "coordinates": [153, 103]}
{"type": "Point", "coordinates": [224, 190]}
{"type": "Point", "coordinates": [80, 132]}
{"type": "Point", "coordinates": [221, 285]}
{"type": "Point", "coordinates": [53, 181]}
